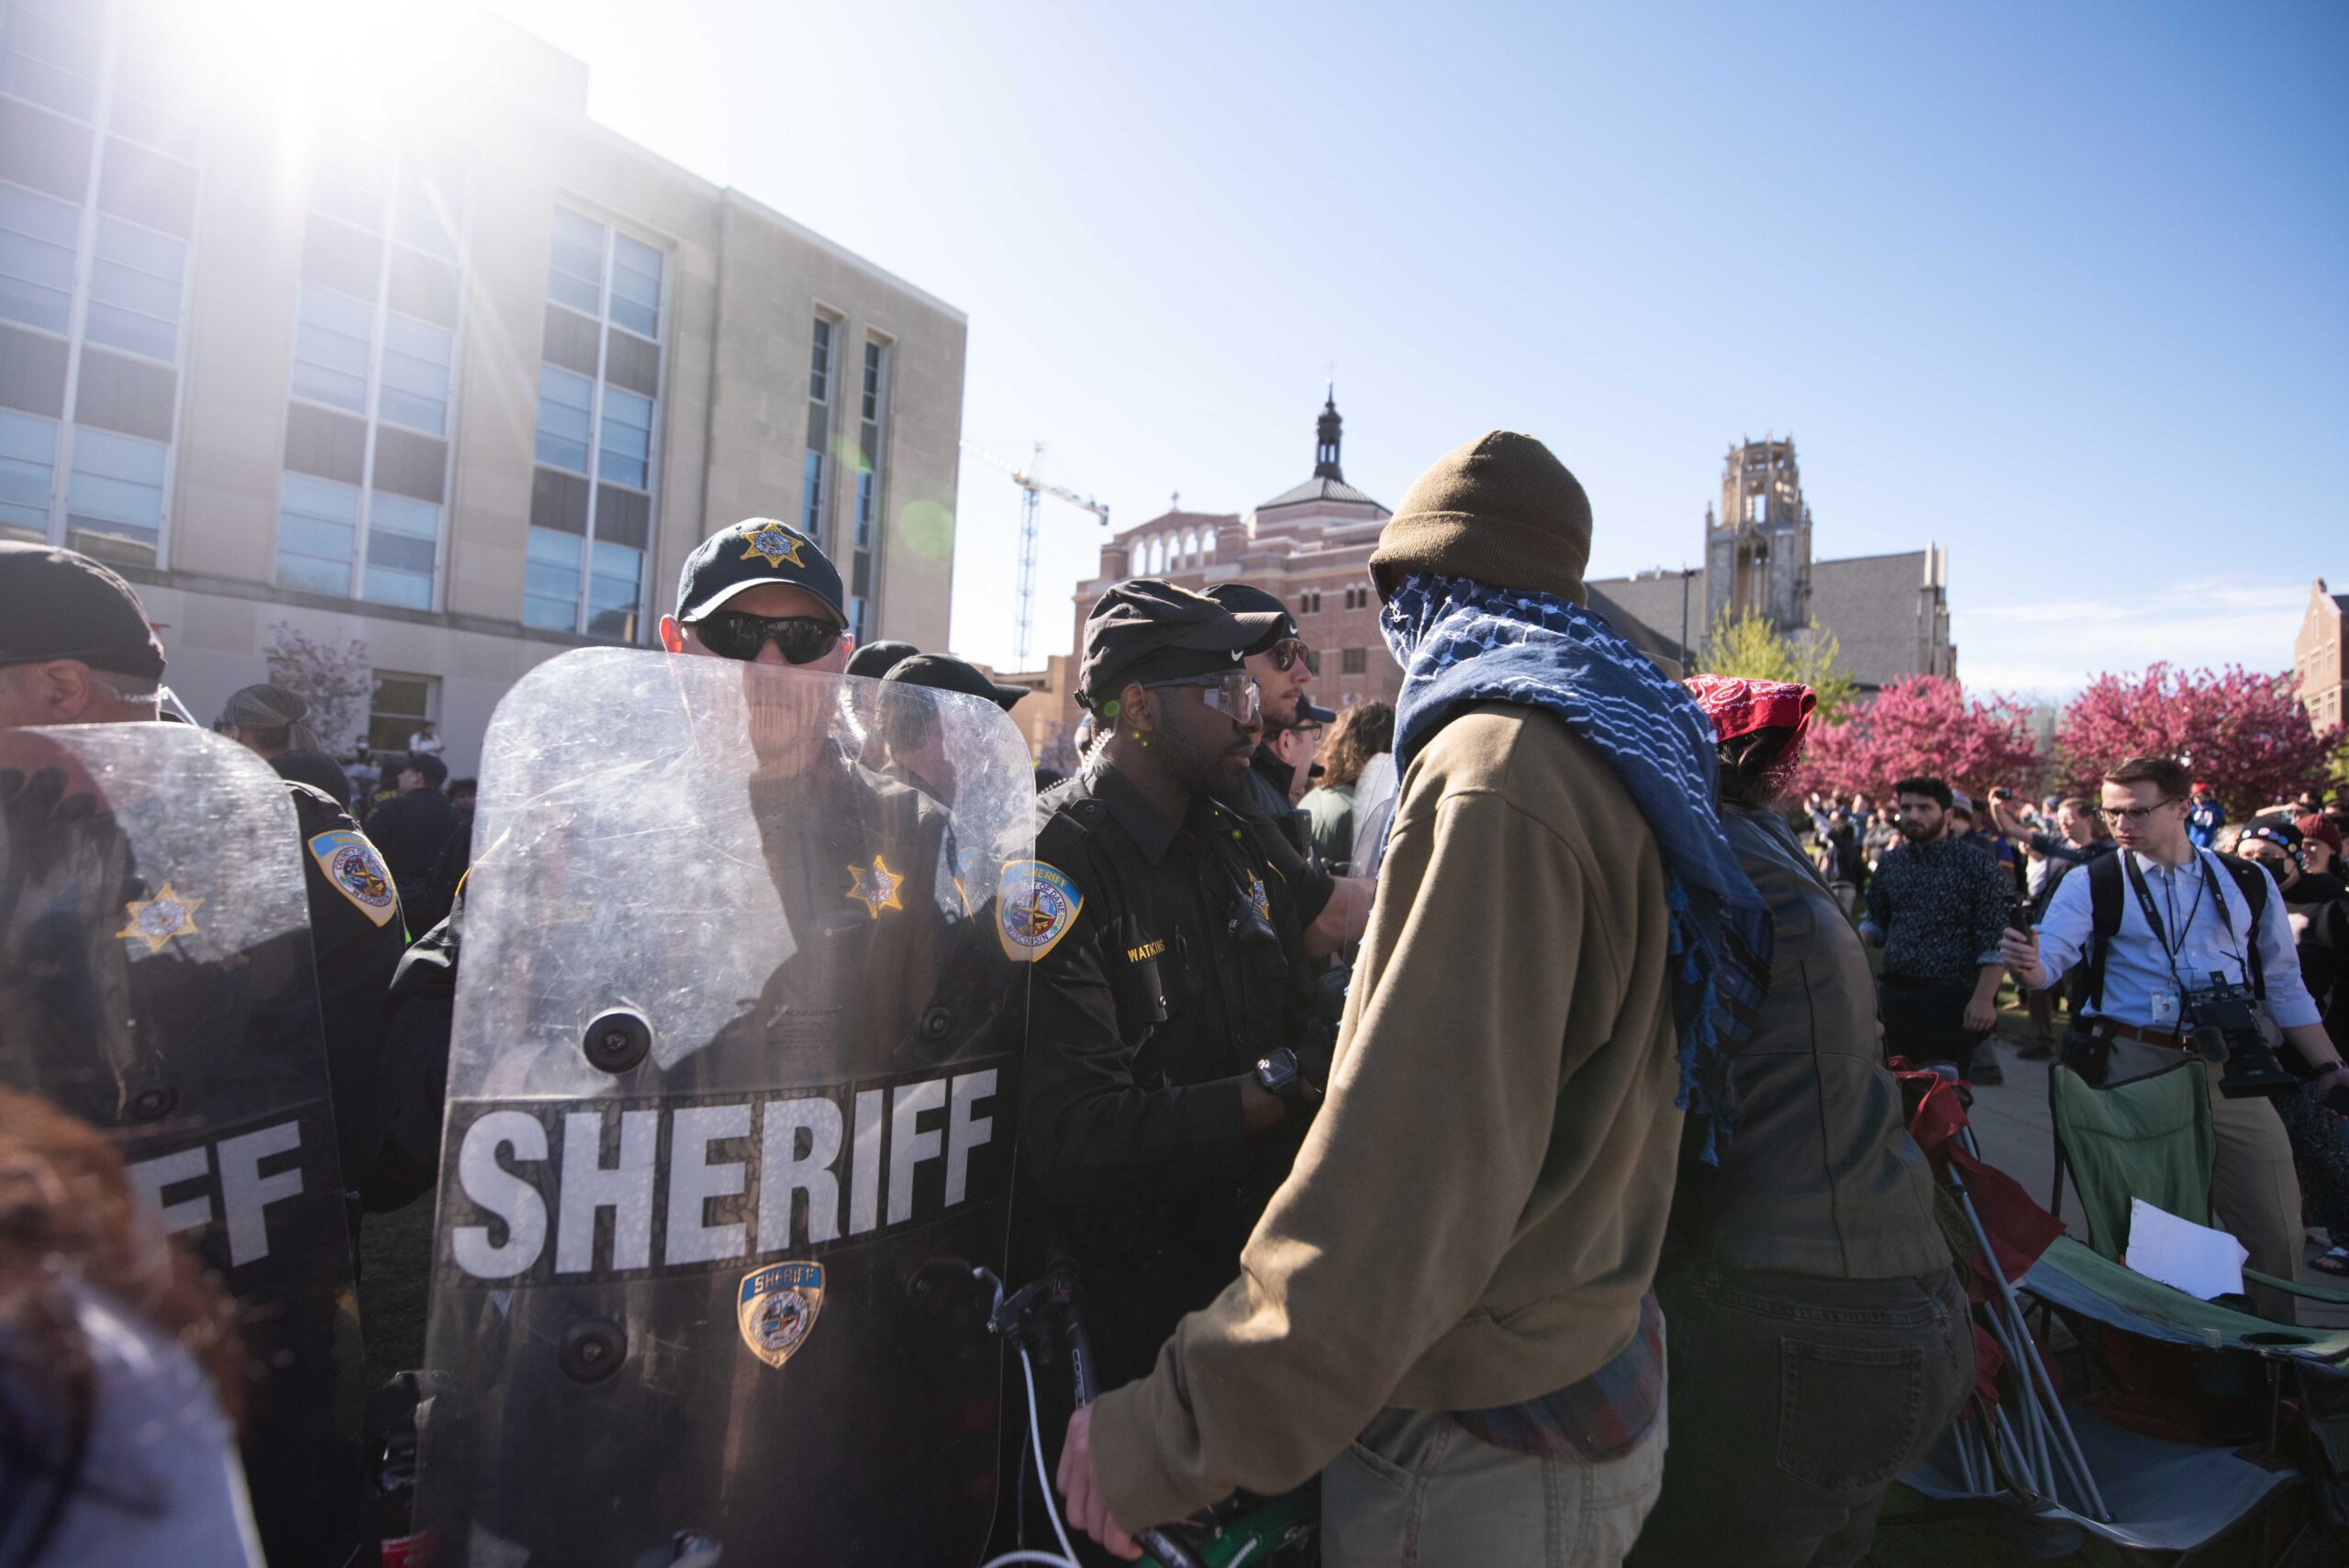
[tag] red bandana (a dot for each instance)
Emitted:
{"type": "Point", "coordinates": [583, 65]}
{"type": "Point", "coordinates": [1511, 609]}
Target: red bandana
{"type": "Point", "coordinates": [1738, 707]}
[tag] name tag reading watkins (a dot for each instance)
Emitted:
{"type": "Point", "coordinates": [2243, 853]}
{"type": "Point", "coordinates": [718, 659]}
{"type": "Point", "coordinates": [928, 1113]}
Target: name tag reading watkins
{"type": "Point", "coordinates": [693, 1185]}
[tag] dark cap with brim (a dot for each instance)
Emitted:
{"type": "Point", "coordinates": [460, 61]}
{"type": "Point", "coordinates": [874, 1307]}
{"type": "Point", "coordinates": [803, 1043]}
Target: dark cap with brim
{"type": "Point", "coordinates": [60, 604]}
{"type": "Point", "coordinates": [753, 552]}
{"type": "Point", "coordinates": [875, 659]}
{"type": "Point", "coordinates": [1246, 598]}
{"type": "Point", "coordinates": [1146, 630]}
{"type": "Point", "coordinates": [1308, 714]}
{"type": "Point", "coordinates": [943, 672]}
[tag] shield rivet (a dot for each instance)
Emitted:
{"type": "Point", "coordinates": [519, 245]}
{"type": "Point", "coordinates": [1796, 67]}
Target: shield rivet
{"type": "Point", "coordinates": [936, 1023]}
{"type": "Point", "coordinates": [617, 1040]}
{"type": "Point", "coordinates": [592, 1351]}
{"type": "Point", "coordinates": [152, 1103]}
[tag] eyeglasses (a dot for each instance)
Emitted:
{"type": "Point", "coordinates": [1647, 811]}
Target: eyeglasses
{"type": "Point", "coordinates": [1233, 694]}
{"type": "Point", "coordinates": [2117, 815]}
{"type": "Point", "coordinates": [1288, 650]}
{"type": "Point", "coordinates": [732, 634]}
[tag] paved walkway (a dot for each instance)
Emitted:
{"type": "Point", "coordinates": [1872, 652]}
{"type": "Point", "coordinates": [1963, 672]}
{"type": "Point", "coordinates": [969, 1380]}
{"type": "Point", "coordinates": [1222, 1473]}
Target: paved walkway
{"type": "Point", "coordinates": [2011, 1120]}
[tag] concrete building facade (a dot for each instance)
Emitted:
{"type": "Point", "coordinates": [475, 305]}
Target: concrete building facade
{"type": "Point", "coordinates": [466, 382]}
{"type": "Point", "coordinates": [1889, 613]}
{"type": "Point", "coordinates": [2321, 657]}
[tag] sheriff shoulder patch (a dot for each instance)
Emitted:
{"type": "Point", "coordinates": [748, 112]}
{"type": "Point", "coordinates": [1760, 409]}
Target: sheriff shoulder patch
{"type": "Point", "coordinates": [356, 870]}
{"type": "Point", "coordinates": [776, 1308]}
{"type": "Point", "coordinates": [1036, 906]}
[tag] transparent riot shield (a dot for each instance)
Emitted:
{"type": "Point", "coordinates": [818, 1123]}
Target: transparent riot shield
{"type": "Point", "coordinates": [729, 1125]}
{"type": "Point", "coordinates": [1374, 810]}
{"type": "Point", "coordinates": [156, 979]}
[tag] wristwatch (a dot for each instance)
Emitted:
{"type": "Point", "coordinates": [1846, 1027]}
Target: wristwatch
{"type": "Point", "coordinates": [1277, 1073]}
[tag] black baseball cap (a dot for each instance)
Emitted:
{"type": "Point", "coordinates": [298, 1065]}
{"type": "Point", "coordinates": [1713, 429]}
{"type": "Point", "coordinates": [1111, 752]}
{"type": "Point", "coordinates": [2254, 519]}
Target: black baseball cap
{"type": "Point", "coordinates": [435, 771]}
{"type": "Point", "coordinates": [1147, 629]}
{"type": "Point", "coordinates": [2285, 836]}
{"type": "Point", "coordinates": [875, 659]}
{"type": "Point", "coordinates": [60, 604]}
{"type": "Point", "coordinates": [1246, 598]}
{"type": "Point", "coordinates": [944, 672]}
{"type": "Point", "coordinates": [755, 550]}
{"type": "Point", "coordinates": [1308, 714]}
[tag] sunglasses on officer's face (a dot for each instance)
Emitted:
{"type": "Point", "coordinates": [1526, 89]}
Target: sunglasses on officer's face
{"type": "Point", "coordinates": [733, 634]}
{"type": "Point", "coordinates": [1287, 652]}
{"type": "Point", "coordinates": [1233, 694]}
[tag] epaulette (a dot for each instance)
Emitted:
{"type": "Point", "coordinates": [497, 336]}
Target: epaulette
{"type": "Point", "coordinates": [300, 792]}
{"type": "Point", "coordinates": [1066, 827]}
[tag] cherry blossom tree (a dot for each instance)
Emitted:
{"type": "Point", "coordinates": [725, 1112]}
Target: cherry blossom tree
{"type": "Point", "coordinates": [2242, 732]}
{"type": "Point", "coordinates": [1923, 725]}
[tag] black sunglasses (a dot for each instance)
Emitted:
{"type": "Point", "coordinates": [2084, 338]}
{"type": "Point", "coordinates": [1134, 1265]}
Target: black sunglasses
{"type": "Point", "coordinates": [801, 640]}
{"type": "Point", "coordinates": [1288, 650]}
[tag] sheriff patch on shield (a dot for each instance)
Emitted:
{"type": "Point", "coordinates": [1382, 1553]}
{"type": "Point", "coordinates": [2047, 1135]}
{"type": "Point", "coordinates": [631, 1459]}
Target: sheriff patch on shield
{"type": "Point", "coordinates": [1035, 906]}
{"type": "Point", "coordinates": [777, 1308]}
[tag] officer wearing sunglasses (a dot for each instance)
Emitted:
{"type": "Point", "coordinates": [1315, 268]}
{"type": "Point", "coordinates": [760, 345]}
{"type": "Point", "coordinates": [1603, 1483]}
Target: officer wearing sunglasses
{"type": "Point", "coordinates": [1163, 1099]}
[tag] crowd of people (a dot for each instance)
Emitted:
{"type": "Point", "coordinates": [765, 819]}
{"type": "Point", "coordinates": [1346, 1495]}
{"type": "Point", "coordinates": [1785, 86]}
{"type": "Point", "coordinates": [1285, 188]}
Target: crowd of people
{"type": "Point", "coordinates": [1531, 1185]}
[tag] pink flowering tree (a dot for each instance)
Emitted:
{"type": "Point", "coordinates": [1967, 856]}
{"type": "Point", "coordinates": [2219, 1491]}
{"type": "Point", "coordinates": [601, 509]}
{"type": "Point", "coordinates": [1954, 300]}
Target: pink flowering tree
{"type": "Point", "coordinates": [1923, 725]}
{"type": "Point", "coordinates": [2243, 733]}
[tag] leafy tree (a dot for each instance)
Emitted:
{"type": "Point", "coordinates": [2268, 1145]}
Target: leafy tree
{"type": "Point", "coordinates": [2243, 733]}
{"type": "Point", "coordinates": [337, 681]}
{"type": "Point", "coordinates": [1922, 725]}
{"type": "Point", "coordinates": [1752, 646]}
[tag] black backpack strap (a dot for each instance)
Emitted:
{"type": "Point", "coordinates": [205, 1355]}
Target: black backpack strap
{"type": "Point", "coordinates": [2104, 922]}
{"type": "Point", "coordinates": [2254, 884]}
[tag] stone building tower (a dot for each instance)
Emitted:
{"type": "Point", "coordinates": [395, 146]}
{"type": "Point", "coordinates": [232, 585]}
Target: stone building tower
{"type": "Point", "coordinates": [1757, 548]}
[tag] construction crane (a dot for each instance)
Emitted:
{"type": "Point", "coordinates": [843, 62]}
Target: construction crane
{"type": "Point", "coordinates": [1033, 491]}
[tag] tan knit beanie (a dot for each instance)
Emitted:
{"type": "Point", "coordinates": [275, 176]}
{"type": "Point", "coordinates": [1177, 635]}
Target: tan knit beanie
{"type": "Point", "coordinates": [1501, 510]}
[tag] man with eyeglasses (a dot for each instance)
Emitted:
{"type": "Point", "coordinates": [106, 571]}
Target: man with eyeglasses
{"type": "Point", "coordinates": [2184, 914]}
{"type": "Point", "coordinates": [1163, 1099]}
{"type": "Point", "coordinates": [1335, 908]}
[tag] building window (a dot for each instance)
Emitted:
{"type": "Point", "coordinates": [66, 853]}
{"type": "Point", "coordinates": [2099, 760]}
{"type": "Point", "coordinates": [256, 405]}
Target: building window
{"type": "Point", "coordinates": [401, 705]}
{"type": "Point", "coordinates": [591, 498]}
{"type": "Point", "coordinates": [871, 401]}
{"type": "Point", "coordinates": [1353, 660]}
{"type": "Point", "coordinates": [1309, 602]}
{"type": "Point", "coordinates": [819, 431]}
{"type": "Point", "coordinates": [97, 202]}
{"type": "Point", "coordinates": [360, 505]}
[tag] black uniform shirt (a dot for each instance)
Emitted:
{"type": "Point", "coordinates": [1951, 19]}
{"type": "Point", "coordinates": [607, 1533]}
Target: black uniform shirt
{"type": "Point", "coordinates": [1181, 967]}
{"type": "Point", "coordinates": [357, 936]}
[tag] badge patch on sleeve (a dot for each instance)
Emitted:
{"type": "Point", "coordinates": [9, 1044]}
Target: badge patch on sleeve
{"type": "Point", "coordinates": [776, 1307]}
{"type": "Point", "coordinates": [1036, 906]}
{"type": "Point", "coordinates": [357, 870]}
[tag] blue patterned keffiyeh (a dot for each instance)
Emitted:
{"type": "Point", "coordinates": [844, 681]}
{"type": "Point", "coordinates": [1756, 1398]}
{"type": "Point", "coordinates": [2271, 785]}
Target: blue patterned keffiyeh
{"type": "Point", "coordinates": [1461, 642]}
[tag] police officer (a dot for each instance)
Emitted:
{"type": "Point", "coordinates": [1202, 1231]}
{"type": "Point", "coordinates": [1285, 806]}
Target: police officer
{"type": "Point", "coordinates": [916, 747]}
{"type": "Point", "coordinates": [1163, 1099]}
{"type": "Point", "coordinates": [76, 648]}
{"type": "Point", "coordinates": [1334, 909]}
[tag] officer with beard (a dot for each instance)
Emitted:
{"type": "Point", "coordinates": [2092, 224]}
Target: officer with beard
{"type": "Point", "coordinates": [1162, 1100]}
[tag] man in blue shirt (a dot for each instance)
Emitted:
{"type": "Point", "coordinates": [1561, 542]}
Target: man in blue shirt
{"type": "Point", "coordinates": [2151, 966]}
{"type": "Point", "coordinates": [2204, 819]}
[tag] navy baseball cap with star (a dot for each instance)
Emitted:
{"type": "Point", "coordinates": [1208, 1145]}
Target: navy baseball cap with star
{"type": "Point", "coordinates": [752, 551]}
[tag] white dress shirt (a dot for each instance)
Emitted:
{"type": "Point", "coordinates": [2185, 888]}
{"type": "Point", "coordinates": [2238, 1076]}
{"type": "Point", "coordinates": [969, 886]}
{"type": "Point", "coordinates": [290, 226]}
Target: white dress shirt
{"type": "Point", "coordinates": [2134, 965]}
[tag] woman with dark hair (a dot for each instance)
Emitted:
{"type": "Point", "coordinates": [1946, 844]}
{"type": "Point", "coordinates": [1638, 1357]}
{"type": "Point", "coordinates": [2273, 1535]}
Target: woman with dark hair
{"type": "Point", "coordinates": [120, 1372]}
{"type": "Point", "coordinates": [1360, 733]}
{"type": "Point", "coordinates": [1818, 1338]}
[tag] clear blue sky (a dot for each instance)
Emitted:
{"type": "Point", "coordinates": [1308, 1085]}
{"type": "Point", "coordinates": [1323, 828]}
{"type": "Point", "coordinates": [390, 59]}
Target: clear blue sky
{"type": "Point", "coordinates": [2061, 287]}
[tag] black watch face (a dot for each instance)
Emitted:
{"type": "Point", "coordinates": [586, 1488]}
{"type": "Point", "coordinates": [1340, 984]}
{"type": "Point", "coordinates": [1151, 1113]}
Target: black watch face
{"type": "Point", "coordinates": [1277, 1072]}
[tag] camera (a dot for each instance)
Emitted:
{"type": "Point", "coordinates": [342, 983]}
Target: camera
{"type": "Point", "coordinates": [2223, 1026]}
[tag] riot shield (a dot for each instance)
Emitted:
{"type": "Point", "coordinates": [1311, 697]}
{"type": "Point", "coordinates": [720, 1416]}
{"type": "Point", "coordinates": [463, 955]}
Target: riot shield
{"type": "Point", "coordinates": [730, 1104]}
{"type": "Point", "coordinates": [1374, 795]}
{"type": "Point", "coordinates": [156, 979]}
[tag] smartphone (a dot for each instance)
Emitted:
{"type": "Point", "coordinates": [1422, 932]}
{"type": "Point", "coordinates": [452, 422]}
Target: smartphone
{"type": "Point", "coordinates": [2018, 916]}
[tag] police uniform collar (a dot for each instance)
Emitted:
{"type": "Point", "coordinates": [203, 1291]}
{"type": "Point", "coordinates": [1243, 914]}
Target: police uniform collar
{"type": "Point", "coordinates": [1151, 832]}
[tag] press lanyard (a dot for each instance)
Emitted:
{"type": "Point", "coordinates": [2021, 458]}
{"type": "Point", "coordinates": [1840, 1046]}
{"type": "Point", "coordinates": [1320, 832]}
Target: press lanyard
{"type": "Point", "coordinates": [2154, 917]}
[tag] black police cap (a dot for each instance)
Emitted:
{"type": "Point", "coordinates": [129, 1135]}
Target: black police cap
{"type": "Point", "coordinates": [1246, 598]}
{"type": "Point", "coordinates": [943, 672]}
{"type": "Point", "coordinates": [1146, 630]}
{"type": "Point", "coordinates": [752, 551]}
{"type": "Point", "coordinates": [875, 659]}
{"type": "Point", "coordinates": [60, 604]}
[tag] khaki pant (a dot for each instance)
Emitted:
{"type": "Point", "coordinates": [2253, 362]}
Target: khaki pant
{"type": "Point", "coordinates": [2255, 1193]}
{"type": "Point", "coordinates": [1416, 1490]}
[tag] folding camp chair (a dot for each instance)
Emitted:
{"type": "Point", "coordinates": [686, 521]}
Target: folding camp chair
{"type": "Point", "coordinates": [2058, 1468]}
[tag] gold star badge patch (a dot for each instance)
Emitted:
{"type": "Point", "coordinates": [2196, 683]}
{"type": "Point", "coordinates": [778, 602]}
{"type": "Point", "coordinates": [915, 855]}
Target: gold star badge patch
{"type": "Point", "coordinates": [772, 542]}
{"type": "Point", "coordinates": [876, 888]}
{"type": "Point", "coordinates": [158, 920]}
